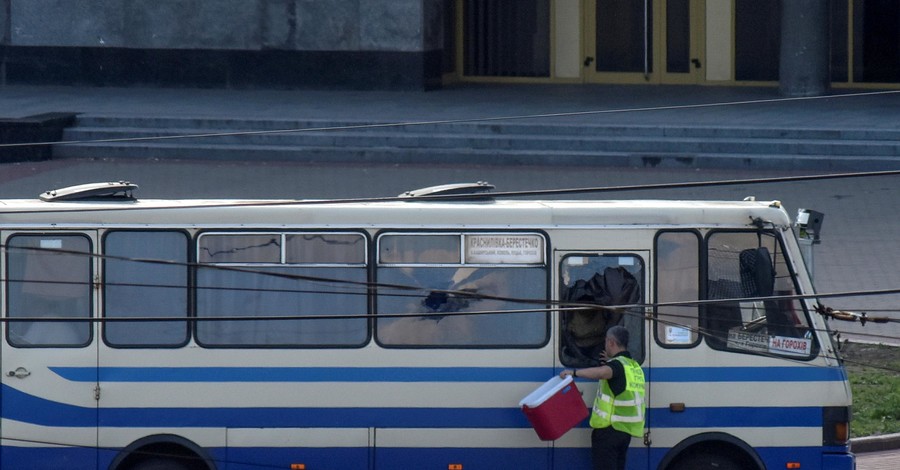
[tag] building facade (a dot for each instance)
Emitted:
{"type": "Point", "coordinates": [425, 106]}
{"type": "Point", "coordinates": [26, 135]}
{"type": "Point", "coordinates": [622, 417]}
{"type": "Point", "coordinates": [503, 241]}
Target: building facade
{"type": "Point", "coordinates": [424, 44]}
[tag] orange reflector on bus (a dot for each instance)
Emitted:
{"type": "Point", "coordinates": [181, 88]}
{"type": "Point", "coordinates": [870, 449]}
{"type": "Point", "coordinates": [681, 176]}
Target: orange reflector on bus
{"type": "Point", "coordinates": [454, 466]}
{"type": "Point", "coordinates": [842, 432]}
{"type": "Point", "coordinates": [298, 466]}
{"type": "Point", "coordinates": [792, 465]}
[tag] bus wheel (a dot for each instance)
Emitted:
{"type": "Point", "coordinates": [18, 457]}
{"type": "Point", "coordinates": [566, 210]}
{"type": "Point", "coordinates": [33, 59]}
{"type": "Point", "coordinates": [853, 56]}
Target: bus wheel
{"type": "Point", "coordinates": [158, 463]}
{"type": "Point", "coordinates": [704, 461]}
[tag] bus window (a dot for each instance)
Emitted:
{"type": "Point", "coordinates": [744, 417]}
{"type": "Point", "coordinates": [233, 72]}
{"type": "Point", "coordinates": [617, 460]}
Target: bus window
{"type": "Point", "coordinates": [745, 268]}
{"type": "Point", "coordinates": [135, 287]}
{"type": "Point", "coordinates": [608, 279]}
{"type": "Point", "coordinates": [449, 303]}
{"type": "Point", "coordinates": [49, 275]}
{"type": "Point", "coordinates": [317, 288]}
{"type": "Point", "coordinates": [319, 248]}
{"type": "Point", "coordinates": [240, 248]}
{"type": "Point", "coordinates": [433, 249]}
{"type": "Point", "coordinates": [677, 280]}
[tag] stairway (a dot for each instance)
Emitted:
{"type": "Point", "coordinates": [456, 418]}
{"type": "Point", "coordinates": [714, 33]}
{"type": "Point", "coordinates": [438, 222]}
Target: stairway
{"type": "Point", "coordinates": [522, 142]}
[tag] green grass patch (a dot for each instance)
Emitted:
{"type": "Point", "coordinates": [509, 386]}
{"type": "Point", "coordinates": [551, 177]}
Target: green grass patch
{"type": "Point", "coordinates": [874, 373]}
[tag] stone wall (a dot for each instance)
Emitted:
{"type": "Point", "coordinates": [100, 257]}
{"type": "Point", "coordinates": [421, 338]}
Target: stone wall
{"type": "Point", "coordinates": [75, 41]}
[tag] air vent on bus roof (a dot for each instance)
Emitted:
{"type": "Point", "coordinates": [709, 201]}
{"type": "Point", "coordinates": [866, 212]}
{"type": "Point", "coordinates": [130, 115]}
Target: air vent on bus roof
{"type": "Point", "coordinates": [450, 189]}
{"type": "Point", "coordinates": [113, 190]}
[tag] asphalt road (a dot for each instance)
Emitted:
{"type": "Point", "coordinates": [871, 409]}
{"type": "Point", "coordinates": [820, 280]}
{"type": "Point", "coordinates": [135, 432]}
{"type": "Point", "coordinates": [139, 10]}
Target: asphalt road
{"type": "Point", "coordinates": [859, 250]}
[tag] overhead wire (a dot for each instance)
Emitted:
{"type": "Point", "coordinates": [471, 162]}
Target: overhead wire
{"type": "Point", "coordinates": [617, 188]}
{"type": "Point", "coordinates": [461, 197]}
{"type": "Point", "coordinates": [601, 189]}
{"type": "Point", "coordinates": [658, 308]}
{"type": "Point", "coordinates": [142, 453]}
{"type": "Point", "coordinates": [659, 315]}
{"type": "Point", "coordinates": [366, 286]}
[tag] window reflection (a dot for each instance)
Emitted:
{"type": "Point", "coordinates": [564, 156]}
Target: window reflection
{"type": "Point", "coordinates": [745, 268]}
{"type": "Point", "coordinates": [140, 289]}
{"type": "Point", "coordinates": [249, 276]}
{"type": "Point", "coordinates": [441, 301]}
{"type": "Point", "coordinates": [50, 277]}
{"type": "Point", "coordinates": [677, 280]}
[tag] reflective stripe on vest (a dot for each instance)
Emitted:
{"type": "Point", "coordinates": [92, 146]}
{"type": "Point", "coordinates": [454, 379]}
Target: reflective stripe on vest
{"type": "Point", "coordinates": [624, 412]}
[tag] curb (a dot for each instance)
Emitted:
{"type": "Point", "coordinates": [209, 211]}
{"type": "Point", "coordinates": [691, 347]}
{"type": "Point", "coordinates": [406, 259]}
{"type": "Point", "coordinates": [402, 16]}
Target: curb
{"type": "Point", "coordinates": [875, 443]}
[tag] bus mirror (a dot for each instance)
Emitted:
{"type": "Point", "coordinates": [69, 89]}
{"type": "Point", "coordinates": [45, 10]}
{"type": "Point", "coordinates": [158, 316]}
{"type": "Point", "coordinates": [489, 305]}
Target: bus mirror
{"type": "Point", "coordinates": [810, 224]}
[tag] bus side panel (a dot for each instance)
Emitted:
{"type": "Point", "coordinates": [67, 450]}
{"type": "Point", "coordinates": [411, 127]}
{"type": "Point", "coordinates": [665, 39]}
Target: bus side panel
{"type": "Point", "coordinates": [323, 458]}
{"type": "Point", "coordinates": [470, 447]}
{"type": "Point", "coordinates": [313, 448]}
{"type": "Point", "coordinates": [807, 457]}
{"type": "Point", "coordinates": [48, 458]}
{"type": "Point", "coordinates": [576, 458]}
{"type": "Point", "coordinates": [774, 457]}
{"type": "Point", "coordinates": [465, 458]}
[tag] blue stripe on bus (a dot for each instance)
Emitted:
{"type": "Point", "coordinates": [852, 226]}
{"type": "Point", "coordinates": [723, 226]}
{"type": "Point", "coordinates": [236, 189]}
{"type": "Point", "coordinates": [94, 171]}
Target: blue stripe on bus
{"type": "Point", "coordinates": [315, 417]}
{"type": "Point", "coordinates": [723, 417]}
{"type": "Point", "coordinates": [432, 374]}
{"type": "Point", "coordinates": [482, 458]}
{"type": "Point", "coordinates": [23, 407]}
{"type": "Point", "coordinates": [307, 374]}
{"type": "Point", "coordinates": [746, 374]}
{"type": "Point", "coordinates": [20, 406]}
{"type": "Point", "coordinates": [569, 458]}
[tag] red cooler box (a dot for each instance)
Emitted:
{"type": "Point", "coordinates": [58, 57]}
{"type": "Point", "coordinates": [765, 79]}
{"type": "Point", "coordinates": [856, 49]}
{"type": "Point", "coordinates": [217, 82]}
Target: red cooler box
{"type": "Point", "coordinates": [554, 408]}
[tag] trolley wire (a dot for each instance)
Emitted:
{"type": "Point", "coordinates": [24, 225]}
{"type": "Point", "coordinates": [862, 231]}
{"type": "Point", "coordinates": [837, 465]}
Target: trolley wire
{"type": "Point", "coordinates": [862, 318]}
{"type": "Point", "coordinates": [657, 315]}
{"type": "Point", "coordinates": [406, 290]}
{"type": "Point", "coordinates": [628, 310]}
{"type": "Point", "coordinates": [542, 306]}
{"type": "Point", "coordinates": [658, 308]}
{"type": "Point", "coordinates": [459, 197]}
{"type": "Point", "coordinates": [180, 457]}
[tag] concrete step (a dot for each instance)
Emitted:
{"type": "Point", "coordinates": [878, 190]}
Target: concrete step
{"type": "Point", "coordinates": [518, 142]}
{"type": "Point", "coordinates": [486, 127]}
{"type": "Point", "coordinates": [368, 154]}
{"type": "Point", "coordinates": [415, 140]}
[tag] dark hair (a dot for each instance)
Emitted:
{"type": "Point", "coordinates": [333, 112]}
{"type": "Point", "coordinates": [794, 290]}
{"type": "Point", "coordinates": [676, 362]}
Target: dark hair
{"type": "Point", "coordinates": [619, 334]}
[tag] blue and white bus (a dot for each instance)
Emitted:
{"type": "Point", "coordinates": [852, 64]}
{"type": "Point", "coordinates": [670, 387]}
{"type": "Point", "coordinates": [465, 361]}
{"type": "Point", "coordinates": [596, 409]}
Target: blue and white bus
{"type": "Point", "coordinates": [236, 334]}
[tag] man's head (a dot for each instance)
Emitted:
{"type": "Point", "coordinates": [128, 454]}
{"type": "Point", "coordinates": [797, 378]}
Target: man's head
{"type": "Point", "coordinates": [616, 338]}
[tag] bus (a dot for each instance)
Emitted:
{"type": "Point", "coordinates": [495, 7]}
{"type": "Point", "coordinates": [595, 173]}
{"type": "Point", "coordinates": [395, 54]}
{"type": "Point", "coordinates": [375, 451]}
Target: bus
{"type": "Point", "coordinates": [403, 332]}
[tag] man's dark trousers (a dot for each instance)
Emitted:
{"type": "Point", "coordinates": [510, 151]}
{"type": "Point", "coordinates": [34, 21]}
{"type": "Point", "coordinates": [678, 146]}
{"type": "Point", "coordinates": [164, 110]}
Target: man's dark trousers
{"type": "Point", "coordinates": [608, 448]}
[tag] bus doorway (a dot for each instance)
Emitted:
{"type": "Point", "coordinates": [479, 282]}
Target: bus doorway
{"type": "Point", "coordinates": [600, 278]}
{"type": "Point", "coordinates": [49, 368]}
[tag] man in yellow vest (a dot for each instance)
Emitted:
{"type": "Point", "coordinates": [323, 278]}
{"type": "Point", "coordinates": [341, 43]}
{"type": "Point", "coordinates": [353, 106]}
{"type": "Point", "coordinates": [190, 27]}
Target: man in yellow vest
{"type": "Point", "coordinates": [619, 407]}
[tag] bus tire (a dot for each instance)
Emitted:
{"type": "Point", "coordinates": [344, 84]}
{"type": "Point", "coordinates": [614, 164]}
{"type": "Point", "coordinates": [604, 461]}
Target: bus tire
{"type": "Point", "coordinates": [706, 460]}
{"type": "Point", "coordinates": [158, 463]}
{"type": "Point", "coordinates": [162, 452]}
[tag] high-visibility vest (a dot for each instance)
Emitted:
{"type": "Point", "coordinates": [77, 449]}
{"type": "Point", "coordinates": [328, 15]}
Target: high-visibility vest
{"type": "Point", "coordinates": [624, 412]}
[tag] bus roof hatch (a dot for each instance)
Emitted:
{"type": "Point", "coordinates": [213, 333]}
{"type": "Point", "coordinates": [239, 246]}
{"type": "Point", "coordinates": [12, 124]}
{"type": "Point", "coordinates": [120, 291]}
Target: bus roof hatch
{"type": "Point", "coordinates": [115, 190]}
{"type": "Point", "coordinates": [450, 190]}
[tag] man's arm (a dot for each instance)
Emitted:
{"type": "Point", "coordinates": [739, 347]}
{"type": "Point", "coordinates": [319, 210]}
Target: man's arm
{"type": "Point", "coordinates": [594, 373]}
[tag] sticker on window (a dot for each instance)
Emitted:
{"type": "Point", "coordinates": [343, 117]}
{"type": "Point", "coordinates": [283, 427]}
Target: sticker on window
{"type": "Point", "coordinates": [738, 339]}
{"type": "Point", "coordinates": [678, 335]}
{"type": "Point", "coordinates": [51, 244]}
{"type": "Point", "coordinates": [790, 346]}
{"type": "Point", "coordinates": [504, 249]}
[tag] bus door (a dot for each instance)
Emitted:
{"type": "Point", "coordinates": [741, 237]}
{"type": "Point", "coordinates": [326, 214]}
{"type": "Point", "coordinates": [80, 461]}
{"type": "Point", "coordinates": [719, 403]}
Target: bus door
{"type": "Point", "coordinates": [49, 375]}
{"type": "Point", "coordinates": [618, 279]}
{"type": "Point", "coordinates": [677, 278]}
{"type": "Point", "coordinates": [145, 276]}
